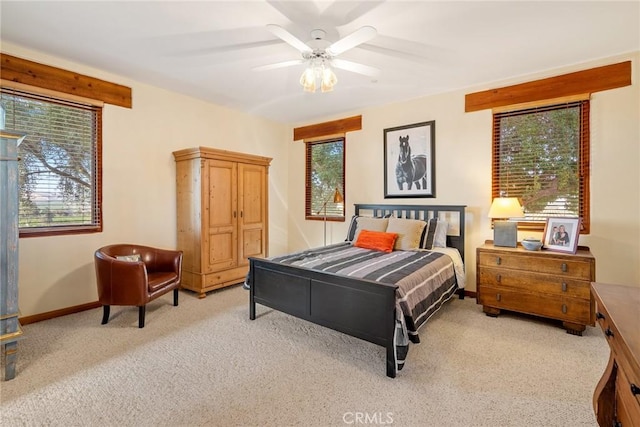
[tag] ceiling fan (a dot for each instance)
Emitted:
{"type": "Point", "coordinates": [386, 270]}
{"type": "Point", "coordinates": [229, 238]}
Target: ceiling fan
{"type": "Point", "coordinates": [321, 56]}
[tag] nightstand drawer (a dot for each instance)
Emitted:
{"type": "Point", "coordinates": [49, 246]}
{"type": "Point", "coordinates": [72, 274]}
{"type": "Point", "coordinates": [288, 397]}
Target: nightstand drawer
{"type": "Point", "coordinates": [543, 264]}
{"type": "Point", "coordinates": [550, 284]}
{"type": "Point", "coordinates": [565, 309]}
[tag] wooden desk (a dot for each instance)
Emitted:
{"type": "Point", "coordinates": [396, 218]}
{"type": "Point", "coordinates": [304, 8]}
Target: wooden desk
{"type": "Point", "coordinates": [616, 400]}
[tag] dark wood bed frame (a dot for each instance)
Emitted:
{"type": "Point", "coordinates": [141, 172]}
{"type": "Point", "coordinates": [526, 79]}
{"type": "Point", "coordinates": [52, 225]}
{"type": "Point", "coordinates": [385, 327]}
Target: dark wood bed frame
{"type": "Point", "coordinates": [361, 308]}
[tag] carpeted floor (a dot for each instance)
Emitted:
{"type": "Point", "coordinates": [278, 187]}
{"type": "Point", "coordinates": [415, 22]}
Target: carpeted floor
{"type": "Point", "coordinates": [204, 363]}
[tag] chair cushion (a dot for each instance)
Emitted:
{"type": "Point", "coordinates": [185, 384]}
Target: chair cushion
{"type": "Point", "coordinates": [160, 280]}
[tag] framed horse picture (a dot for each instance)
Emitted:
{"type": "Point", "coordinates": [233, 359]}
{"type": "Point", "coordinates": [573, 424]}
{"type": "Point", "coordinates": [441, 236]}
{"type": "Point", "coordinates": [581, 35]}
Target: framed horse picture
{"type": "Point", "coordinates": [409, 161]}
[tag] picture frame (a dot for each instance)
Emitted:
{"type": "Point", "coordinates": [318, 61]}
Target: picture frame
{"type": "Point", "coordinates": [409, 161]}
{"type": "Point", "coordinates": [555, 240]}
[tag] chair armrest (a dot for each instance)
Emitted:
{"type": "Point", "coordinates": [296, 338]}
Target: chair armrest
{"type": "Point", "coordinates": [120, 282]}
{"type": "Point", "coordinates": [164, 260]}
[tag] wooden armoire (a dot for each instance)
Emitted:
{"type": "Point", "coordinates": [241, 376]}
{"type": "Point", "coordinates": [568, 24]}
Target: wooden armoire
{"type": "Point", "coordinates": [222, 215]}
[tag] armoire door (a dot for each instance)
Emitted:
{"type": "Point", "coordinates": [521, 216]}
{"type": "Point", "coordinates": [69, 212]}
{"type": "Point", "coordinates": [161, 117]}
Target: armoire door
{"type": "Point", "coordinates": [219, 216]}
{"type": "Point", "coordinates": [252, 205]}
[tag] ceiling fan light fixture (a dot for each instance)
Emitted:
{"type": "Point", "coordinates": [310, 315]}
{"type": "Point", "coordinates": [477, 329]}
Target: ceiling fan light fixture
{"type": "Point", "coordinates": [308, 79]}
{"type": "Point", "coordinates": [315, 72]}
{"type": "Point", "coordinates": [329, 79]}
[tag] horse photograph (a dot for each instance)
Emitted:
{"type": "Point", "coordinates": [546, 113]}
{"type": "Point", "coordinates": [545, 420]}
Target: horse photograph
{"type": "Point", "coordinates": [409, 155]}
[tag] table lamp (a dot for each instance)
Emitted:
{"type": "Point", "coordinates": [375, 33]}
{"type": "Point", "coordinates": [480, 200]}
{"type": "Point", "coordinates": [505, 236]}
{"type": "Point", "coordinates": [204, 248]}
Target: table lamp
{"type": "Point", "coordinates": [505, 232]}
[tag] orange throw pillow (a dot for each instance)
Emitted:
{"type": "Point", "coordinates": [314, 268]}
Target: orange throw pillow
{"type": "Point", "coordinates": [377, 240]}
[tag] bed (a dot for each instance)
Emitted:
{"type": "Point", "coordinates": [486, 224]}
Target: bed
{"type": "Point", "coordinates": [358, 306]}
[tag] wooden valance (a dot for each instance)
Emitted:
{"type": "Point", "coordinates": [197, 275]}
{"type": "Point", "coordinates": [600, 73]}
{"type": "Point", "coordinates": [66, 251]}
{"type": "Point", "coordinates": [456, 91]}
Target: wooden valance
{"type": "Point", "coordinates": [31, 73]}
{"type": "Point", "coordinates": [581, 82]}
{"type": "Point", "coordinates": [328, 128]}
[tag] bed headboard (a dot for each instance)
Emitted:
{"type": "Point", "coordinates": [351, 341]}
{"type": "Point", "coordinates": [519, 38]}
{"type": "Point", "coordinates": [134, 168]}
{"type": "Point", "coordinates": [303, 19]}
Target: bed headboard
{"type": "Point", "coordinates": [453, 214]}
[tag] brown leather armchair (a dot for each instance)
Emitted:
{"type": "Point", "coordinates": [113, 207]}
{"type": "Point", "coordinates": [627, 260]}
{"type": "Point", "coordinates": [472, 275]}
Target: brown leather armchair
{"type": "Point", "coordinates": [127, 282]}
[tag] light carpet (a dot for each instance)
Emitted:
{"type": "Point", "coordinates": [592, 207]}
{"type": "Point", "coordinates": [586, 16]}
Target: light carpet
{"type": "Point", "coordinates": [204, 363]}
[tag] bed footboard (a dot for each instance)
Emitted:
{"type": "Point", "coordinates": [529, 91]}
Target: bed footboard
{"type": "Point", "coordinates": [360, 308]}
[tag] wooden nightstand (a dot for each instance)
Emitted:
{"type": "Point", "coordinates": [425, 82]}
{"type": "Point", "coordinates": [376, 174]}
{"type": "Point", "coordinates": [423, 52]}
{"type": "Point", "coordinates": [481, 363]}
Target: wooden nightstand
{"type": "Point", "coordinates": [542, 283]}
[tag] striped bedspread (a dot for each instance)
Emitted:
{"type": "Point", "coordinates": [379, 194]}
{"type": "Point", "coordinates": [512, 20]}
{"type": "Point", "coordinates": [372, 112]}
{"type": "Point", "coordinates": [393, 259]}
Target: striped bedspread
{"type": "Point", "coordinates": [425, 279]}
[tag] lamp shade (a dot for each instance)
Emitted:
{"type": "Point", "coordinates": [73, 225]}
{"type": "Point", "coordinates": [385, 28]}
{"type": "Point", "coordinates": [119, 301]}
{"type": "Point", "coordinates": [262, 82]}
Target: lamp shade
{"type": "Point", "coordinates": [505, 207]}
{"type": "Point", "coordinates": [337, 196]}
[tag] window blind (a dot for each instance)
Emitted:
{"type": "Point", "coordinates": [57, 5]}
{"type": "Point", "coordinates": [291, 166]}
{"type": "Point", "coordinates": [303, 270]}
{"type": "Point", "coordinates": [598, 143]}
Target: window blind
{"type": "Point", "coordinates": [59, 168]}
{"type": "Point", "coordinates": [541, 156]}
{"type": "Point", "coordinates": [324, 173]}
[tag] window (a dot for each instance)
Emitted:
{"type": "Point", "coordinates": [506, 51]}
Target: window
{"type": "Point", "coordinates": [541, 156]}
{"type": "Point", "coordinates": [324, 174]}
{"type": "Point", "coordinates": [60, 163]}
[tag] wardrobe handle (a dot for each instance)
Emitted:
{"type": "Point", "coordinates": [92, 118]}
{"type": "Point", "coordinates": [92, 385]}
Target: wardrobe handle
{"type": "Point", "coordinates": [241, 214]}
{"type": "Point", "coordinates": [234, 214]}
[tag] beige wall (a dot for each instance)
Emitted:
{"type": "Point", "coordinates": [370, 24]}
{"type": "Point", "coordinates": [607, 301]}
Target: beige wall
{"type": "Point", "coordinates": [463, 171]}
{"type": "Point", "coordinates": [139, 183]}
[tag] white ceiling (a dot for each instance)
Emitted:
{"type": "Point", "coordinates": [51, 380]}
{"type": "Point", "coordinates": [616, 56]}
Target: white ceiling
{"type": "Point", "coordinates": [207, 49]}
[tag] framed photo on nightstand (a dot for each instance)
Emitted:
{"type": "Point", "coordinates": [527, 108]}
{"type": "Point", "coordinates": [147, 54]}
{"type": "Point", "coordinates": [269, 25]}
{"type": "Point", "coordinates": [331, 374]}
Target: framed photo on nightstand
{"type": "Point", "coordinates": [561, 234]}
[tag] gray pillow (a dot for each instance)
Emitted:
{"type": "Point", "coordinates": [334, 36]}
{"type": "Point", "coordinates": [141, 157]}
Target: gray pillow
{"type": "Point", "coordinates": [428, 235]}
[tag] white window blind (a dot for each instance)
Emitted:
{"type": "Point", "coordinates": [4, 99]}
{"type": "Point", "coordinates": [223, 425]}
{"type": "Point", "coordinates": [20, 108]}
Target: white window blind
{"type": "Point", "coordinates": [60, 163]}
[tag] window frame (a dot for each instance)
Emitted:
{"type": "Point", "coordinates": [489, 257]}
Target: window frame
{"type": "Point", "coordinates": [309, 214]}
{"type": "Point", "coordinates": [96, 225]}
{"type": "Point", "coordinates": [583, 161]}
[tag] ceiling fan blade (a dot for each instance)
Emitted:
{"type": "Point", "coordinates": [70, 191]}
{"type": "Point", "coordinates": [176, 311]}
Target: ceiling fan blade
{"type": "Point", "coordinates": [278, 65]}
{"type": "Point", "coordinates": [406, 49]}
{"type": "Point", "coordinates": [355, 67]}
{"type": "Point", "coordinates": [289, 38]}
{"type": "Point", "coordinates": [359, 36]}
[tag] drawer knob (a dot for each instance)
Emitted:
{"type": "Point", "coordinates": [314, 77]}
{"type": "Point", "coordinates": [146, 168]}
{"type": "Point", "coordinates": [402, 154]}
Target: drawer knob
{"type": "Point", "coordinates": [635, 389]}
{"type": "Point", "coordinates": [498, 260]}
{"type": "Point", "coordinates": [564, 287]}
{"type": "Point", "coordinates": [498, 297]}
{"type": "Point", "coordinates": [564, 308]}
{"type": "Point", "coordinates": [608, 332]}
{"type": "Point", "coordinates": [499, 278]}
{"type": "Point", "coordinates": [599, 315]}
{"type": "Point", "coordinates": [564, 267]}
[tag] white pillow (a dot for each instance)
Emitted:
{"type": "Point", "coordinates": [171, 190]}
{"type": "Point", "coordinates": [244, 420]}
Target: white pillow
{"type": "Point", "coordinates": [129, 258]}
{"type": "Point", "coordinates": [409, 232]}
{"type": "Point", "coordinates": [371, 224]}
{"type": "Point", "coordinates": [440, 236]}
